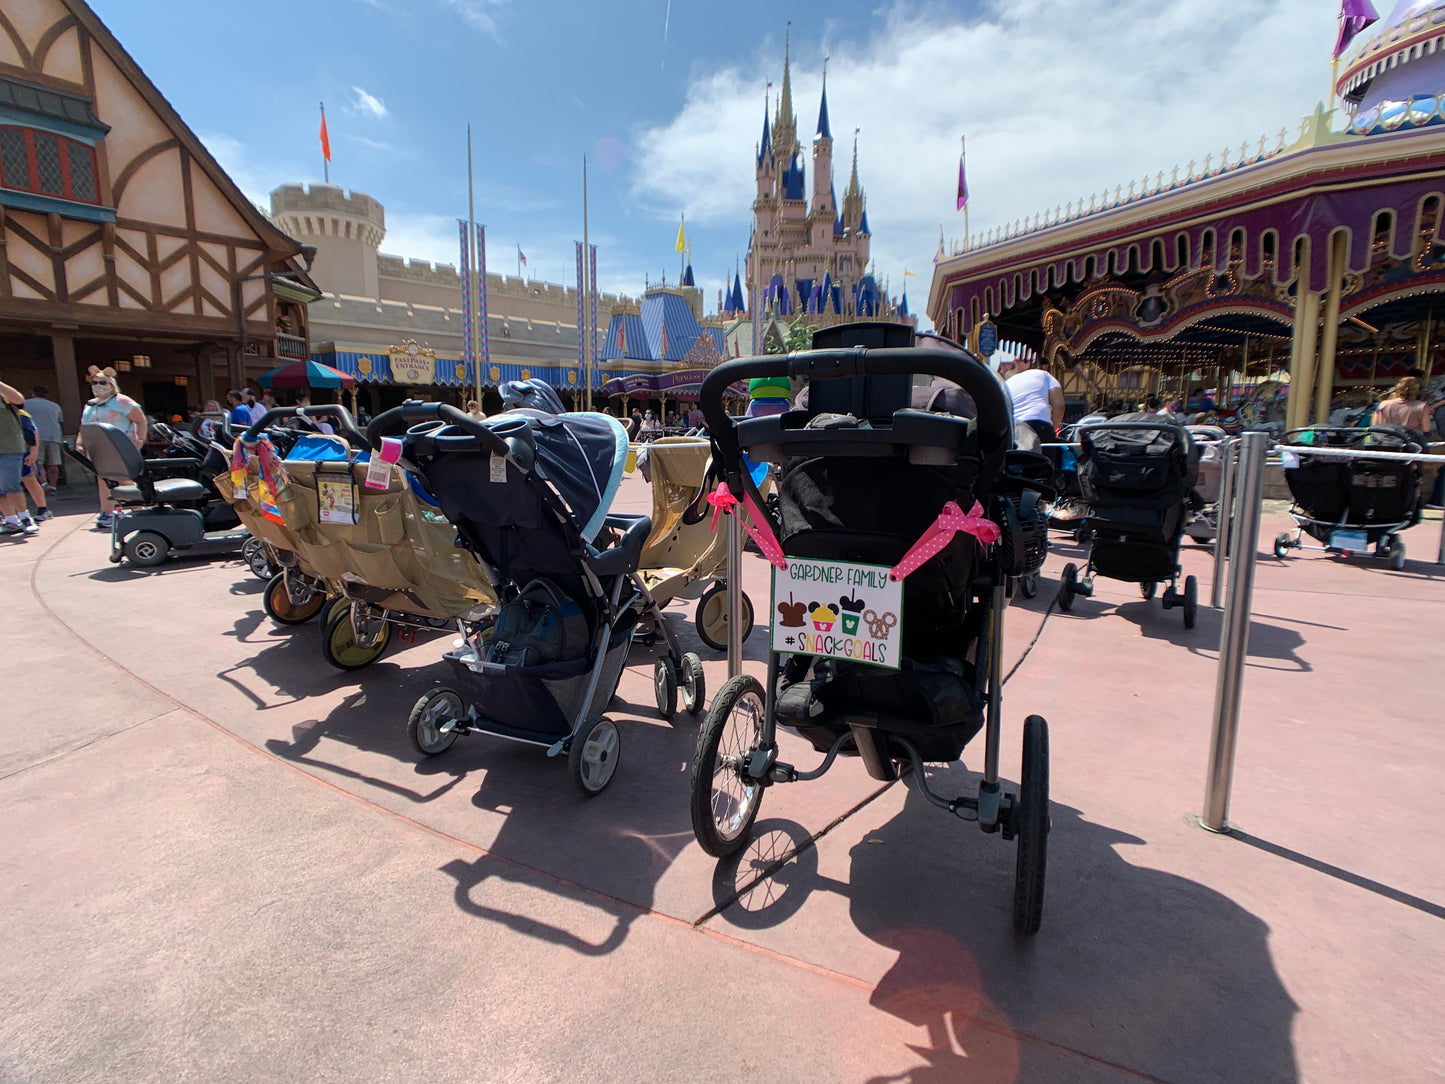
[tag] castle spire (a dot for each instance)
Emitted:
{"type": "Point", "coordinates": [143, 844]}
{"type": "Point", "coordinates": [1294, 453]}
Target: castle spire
{"type": "Point", "coordinates": [853, 189]}
{"type": "Point", "coordinates": [785, 122]}
{"type": "Point", "coordinates": [765, 150]}
{"type": "Point", "coordinates": [785, 99]}
{"type": "Point", "coordinates": [824, 131]}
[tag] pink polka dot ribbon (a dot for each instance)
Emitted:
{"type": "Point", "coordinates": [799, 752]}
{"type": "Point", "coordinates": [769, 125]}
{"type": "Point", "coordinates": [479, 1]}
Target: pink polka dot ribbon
{"type": "Point", "coordinates": [755, 523]}
{"type": "Point", "coordinates": [949, 522]}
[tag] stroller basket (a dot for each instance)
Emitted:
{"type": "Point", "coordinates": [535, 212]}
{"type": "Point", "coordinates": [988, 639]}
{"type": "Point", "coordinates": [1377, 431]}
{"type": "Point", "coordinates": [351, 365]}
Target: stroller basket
{"type": "Point", "coordinates": [548, 697]}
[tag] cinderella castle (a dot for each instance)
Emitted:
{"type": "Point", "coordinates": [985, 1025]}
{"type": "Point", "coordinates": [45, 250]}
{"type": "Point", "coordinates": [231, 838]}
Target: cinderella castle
{"type": "Point", "coordinates": [807, 261]}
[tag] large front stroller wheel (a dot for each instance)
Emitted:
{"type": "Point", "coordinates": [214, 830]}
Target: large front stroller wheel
{"type": "Point", "coordinates": [711, 618]}
{"type": "Point", "coordinates": [724, 804]}
{"type": "Point", "coordinates": [345, 650]}
{"type": "Point", "coordinates": [432, 712]}
{"type": "Point", "coordinates": [283, 609]}
{"type": "Point", "coordinates": [593, 755]}
{"type": "Point", "coordinates": [1031, 823]}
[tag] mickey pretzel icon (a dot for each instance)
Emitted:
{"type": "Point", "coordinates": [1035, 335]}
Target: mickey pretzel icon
{"type": "Point", "coordinates": [878, 626]}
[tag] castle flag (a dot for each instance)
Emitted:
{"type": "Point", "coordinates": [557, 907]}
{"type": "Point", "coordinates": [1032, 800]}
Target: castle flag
{"type": "Point", "coordinates": [681, 236]}
{"type": "Point", "coordinates": [1355, 15]}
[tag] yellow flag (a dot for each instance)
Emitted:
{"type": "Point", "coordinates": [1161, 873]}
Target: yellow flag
{"type": "Point", "coordinates": [681, 237]}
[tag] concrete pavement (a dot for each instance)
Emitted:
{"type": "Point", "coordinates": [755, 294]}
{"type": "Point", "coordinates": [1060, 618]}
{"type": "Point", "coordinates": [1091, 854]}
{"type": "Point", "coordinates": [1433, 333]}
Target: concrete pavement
{"type": "Point", "coordinates": [224, 861]}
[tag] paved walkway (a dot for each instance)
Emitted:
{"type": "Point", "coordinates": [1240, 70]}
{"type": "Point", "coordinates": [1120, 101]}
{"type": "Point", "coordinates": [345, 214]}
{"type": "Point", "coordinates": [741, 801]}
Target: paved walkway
{"type": "Point", "coordinates": [223, 861]}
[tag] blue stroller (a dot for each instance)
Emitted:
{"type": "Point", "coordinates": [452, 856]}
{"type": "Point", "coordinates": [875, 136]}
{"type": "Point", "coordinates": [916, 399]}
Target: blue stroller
{"type": "Point", "coordinates": [528, 492]}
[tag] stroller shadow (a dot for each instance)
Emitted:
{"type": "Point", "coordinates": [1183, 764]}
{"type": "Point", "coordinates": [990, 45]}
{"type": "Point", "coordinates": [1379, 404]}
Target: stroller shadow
{"type": "Point", "coordinates": [1144, 971]}
{"type": "Point", "coordinates": [1268, 643]}
{"type": "Point", "coordinates": [606, 853]}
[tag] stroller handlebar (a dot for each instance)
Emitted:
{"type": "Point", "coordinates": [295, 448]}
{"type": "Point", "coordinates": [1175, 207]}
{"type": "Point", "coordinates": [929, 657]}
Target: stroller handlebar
{"type": "Point", "coordinates": [957, 366]}
{"type": "Point", "coordinates": [399, 419]}
{"type": "Point", "coordinates": [345, 423]}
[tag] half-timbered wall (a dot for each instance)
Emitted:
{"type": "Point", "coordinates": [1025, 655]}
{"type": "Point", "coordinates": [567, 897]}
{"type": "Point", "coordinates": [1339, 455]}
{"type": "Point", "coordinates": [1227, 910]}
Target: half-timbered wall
{"type": "Point", "coordinates": [178, 249]}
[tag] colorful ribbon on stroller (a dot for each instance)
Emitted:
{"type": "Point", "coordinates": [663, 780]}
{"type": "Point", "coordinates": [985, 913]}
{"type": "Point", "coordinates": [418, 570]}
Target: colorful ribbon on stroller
{"type": "Point", "coordinates": [949, 522]}
{"type": "Point", "coordinates": [755, 523]}
{"type": "Point", "coordinates": [272, 476]}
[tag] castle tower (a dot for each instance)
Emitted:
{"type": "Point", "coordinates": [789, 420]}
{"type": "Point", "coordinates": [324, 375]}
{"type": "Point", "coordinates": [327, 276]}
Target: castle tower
{"type": "Point", "coordinates": [766, 171]}
{"type": "Point", "coordinates": [820, 221]}
{"type": "Point", "coordinates": [346, 227]}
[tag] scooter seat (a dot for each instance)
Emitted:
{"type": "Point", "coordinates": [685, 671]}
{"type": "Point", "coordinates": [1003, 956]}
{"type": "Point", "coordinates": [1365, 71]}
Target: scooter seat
{"type": "Point", "coordinates": [168, 490]}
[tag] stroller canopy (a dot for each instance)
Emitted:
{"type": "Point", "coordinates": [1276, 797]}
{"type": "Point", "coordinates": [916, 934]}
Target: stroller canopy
{"type": "Point", "coordinates": [581, 456]}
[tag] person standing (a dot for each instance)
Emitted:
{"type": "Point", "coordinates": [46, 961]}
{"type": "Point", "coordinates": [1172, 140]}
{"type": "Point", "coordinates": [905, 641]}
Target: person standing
{"type": "Point", "coordinates": [1405, 407]}
{"type": "Point", "coordinates": [30, 475]}
{"type": "Point", "coordinates": [236, 408]}
{"type": "Point", "coordinates": [253, 408]}
{"type": "Point", "coordinates": [50, 423]}
{"type": "Point", "coordinates": [109, 407]}
{"type": "Point", "coordinates": [1038, 399]}
{"type": "Point", "coordinates": [12, 461]}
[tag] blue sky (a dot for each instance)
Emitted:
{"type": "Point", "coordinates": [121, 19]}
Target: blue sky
{"type": "Point", "coordinates": [1058, 98]}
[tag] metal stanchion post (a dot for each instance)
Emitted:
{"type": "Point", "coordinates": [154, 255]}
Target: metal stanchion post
{"type": "Point", "coordinates": [1224, 521]}
{"type": "Point", "coordinates": [1234, 636]}
{"type": "Point", "coordinates": [735, 594]}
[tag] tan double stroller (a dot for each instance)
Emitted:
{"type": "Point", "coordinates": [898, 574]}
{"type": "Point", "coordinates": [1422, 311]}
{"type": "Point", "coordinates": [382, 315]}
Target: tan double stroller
{"type": "Point", "coordinates": [371, 560]}
{"type": "Point", "coordinates": [684, 557]}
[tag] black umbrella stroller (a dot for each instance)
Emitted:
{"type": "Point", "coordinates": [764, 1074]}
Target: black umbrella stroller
{"type": "Point", "coordinates": [528, 492]}
{"type": "Point", "coordinates": [1351, 505]}
{"type": "Point", "coordinates": [906, 524]}
{"type": "Point", "coordinates": [1138, 474]}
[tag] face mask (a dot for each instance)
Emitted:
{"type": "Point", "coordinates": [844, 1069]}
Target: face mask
{"type": "Point", "coordinates": [102, 391]}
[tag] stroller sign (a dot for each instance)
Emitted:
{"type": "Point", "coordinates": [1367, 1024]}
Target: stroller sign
{"type": "Point", "coordinates": [854, 619]}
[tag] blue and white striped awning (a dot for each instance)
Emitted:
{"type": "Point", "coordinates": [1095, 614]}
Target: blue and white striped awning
{"type": "Point", "coordinates": [374, 367]}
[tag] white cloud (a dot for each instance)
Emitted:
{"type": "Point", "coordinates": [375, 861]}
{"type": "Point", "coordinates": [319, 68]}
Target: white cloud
{"type": "Point", "coordinates": [1058, 98]}
{"type": "Point", "coordinates": [368, 105]}
{"type": "Point", "coordinates": [374, 144]}
{"type": "Point", "coordinates": [478, 14]}
{"type": "Point", "coordinates": [422, 236]}
{"type": "Point", "coordinates": [254, 176]}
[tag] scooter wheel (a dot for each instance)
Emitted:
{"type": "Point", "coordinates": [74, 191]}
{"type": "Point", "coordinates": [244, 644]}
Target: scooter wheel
{"type": "Point", "coordinates": [146, 549]}
{"type": "Point", "coordinates": [711, 618]}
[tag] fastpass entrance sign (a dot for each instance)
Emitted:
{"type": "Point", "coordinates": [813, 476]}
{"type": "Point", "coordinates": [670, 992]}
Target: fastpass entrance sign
{"type": "Point", "coordinates": [837, 610]}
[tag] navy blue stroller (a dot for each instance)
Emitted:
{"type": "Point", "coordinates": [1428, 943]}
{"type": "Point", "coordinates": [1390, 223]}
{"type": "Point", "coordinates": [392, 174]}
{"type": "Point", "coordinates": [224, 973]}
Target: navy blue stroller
{"type": "Point", "coordinates": [528, 492]}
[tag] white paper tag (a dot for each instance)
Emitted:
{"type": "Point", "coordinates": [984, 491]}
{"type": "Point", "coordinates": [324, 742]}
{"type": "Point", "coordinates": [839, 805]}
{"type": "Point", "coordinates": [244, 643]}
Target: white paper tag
{"type": "Point", "coordinates": [378, 474]}
{"type": "Point", "coordinates": [499, 468]}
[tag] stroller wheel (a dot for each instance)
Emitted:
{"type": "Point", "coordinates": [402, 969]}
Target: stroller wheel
{"type": "Point", "coordinates": [1397, 555]}
{"type": "Point", "coordinates": [1191, 601]}
{"type": "Point", "coordinates": [146, 549]}
{"type": "Point", "coordinates": [432, 712]}
{"type": "Point", "coordinates": [711, 618]}
{"type": "Point", "coordinates": [1029, 585]}
{"type": "Point", "coordinates": [593, 755]}
{"type": "Point", "coordinates": [340, 604]}
{"type": "Point", "coordinates": [1067, 582]}
{"type": "Point", "coordinates": [694, 684]}
{"type": "Point", "coordinates": [281, 609]}
{"type": "Point", "coordinates": [253, 552]}
{"type": "Point", "coordinates": [724, 804]}
{"type": "Point", "coordinates": [1147, 590]}
{"type": "Point", "coordinates": [1031, 823]}
{"type": "Point", "coordinates": [1282, 544]}
{"type": "Point", "coordinates": [342, 648]}
{"type": "Point", "coordinates": [664, 686]}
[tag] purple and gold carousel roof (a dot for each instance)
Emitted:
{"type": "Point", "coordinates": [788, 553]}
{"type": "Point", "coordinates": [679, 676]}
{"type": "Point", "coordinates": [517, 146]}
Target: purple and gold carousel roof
{"type": "Point", "coordinates": [1400, 57]}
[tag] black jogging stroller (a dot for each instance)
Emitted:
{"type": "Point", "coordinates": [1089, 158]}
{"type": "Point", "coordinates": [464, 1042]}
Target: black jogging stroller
{"type": "Point", "coordinates": [1138, 474]}
{"type": "Point", "coordinates": [906, 523]}
{"type": "Point", "coordinates": [528, 492]}
{"type": "Point", "coordinates": [1351, 505]}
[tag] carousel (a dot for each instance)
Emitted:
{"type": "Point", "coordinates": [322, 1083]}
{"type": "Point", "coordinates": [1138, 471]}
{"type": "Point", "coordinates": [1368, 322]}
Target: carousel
{"type": "Point", "coordinates": [1276, 283]}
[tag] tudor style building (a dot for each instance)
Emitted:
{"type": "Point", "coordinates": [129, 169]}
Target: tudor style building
{"type": "Point", "coordinates": [122, 241]}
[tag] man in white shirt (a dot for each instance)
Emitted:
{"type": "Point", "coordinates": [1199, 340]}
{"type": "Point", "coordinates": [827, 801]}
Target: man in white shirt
{"type": "Point", "coordinates": [1038, 399]}
{"type": "Point", "coordinates": [253, 408]}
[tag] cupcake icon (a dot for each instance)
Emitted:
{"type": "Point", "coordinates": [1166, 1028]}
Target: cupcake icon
{"type": "Point", "coordinates": [823, 617]}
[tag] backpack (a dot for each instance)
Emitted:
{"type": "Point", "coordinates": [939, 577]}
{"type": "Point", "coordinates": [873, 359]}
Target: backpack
{"type": "Point", "coordinates": [541, 625]}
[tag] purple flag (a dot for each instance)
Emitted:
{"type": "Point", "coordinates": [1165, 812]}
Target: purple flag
{"type": "Point", "coordinates": [1355, 15]}
{"type": "Point", "coordinates": [963, 184]}
{"type": "Point", "coordinates": [592, 281]}
{"type": "Point", "coordinates": [467, 358]}
{"type": "Point", "coordinates": [581, 318]}
{"type": "Point", "coordinates": [484, 353]}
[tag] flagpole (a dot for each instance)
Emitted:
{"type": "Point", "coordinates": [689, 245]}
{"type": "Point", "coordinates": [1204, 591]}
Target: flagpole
{"type": "Point", "coordinates": [325, 158]}
{"type": "Point", "coordinates": [470, 294]}
{"type": "Point", "coordinates": [590, 361]}
{"type": "Point", "coordinates": [963, 169]}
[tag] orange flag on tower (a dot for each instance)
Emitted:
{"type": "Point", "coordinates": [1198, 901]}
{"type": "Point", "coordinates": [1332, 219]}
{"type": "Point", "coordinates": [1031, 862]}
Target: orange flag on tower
{"type": "Point", "coordinates": [325, 139]}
